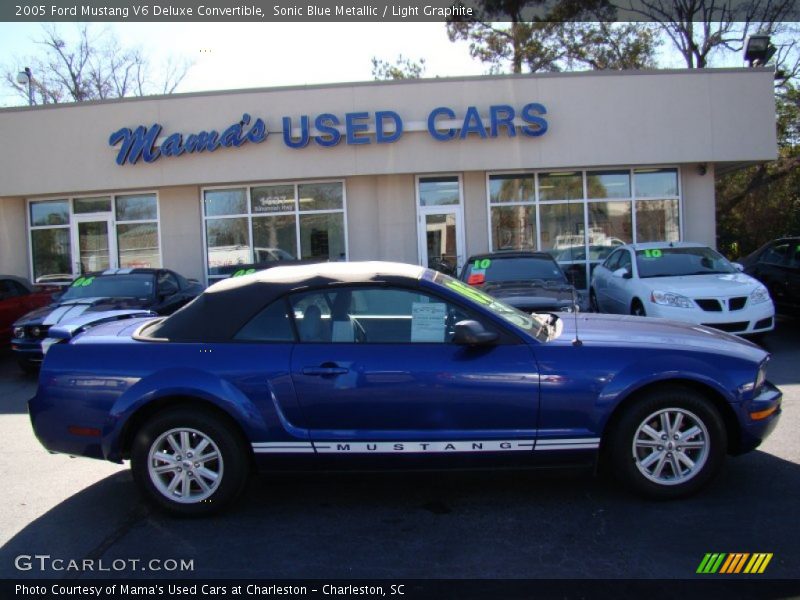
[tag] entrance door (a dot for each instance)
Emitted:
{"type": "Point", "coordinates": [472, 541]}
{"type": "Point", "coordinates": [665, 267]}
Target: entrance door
{"type": "Point", "coordinates": [94, 239]}
{"type": "Point", "coordinates": [441, 239]}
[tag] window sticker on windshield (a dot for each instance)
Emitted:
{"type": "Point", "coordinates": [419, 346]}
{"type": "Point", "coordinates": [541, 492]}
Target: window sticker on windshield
{"type": "Point", "coordinates": [653, 253]}
{"type": "Point", "coordinates": [427, 321]}
{"type": "Point", "coordinates": [241, 272]}
{"type": "Point", "coordinates": [482, 264]}
{"type": "Point", "coordinates": [83, 281]}
{"type": "Point", "coordinates": [470, 292]}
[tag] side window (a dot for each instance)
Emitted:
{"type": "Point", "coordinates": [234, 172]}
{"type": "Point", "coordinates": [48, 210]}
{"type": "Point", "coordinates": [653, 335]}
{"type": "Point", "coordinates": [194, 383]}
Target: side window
{"type": "Point", "coordinates": [624, 261]}
{"type": "Point", "coordinates": [375, 316]}
{"type": "Point", "coordinates": [776, 255]}
{"type": "Point", "coordinates": [613, 260]}
{"type": "Point", "coordinates": [270, 325]}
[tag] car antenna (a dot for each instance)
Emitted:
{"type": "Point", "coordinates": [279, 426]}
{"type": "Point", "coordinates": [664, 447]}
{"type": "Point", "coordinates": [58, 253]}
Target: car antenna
{"type": "Point", "coordinates": [577, 341]}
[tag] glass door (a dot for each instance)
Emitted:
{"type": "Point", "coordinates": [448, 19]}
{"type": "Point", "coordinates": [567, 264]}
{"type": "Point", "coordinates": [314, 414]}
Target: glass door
{"type": "Point", "coordinates": [94, 239]}
{"type": "Point", "coordinates": [441, 241]}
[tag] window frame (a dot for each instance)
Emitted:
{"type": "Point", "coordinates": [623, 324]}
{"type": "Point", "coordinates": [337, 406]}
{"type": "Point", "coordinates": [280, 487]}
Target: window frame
{"type": "Point", "coordinates": [583, 204]}
{"type": "Point", "coordinates": [69, 226]}
{"type": "Point", "coordinates": [250, 215]}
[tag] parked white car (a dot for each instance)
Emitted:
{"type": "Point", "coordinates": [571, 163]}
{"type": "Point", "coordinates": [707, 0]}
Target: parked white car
{"type": "Point", "coordinates": [684, 282]}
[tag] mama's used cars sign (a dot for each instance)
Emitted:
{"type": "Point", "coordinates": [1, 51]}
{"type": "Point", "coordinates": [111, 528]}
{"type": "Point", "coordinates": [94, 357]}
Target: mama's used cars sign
{"type": "Point", "coordinates": [327, 130]}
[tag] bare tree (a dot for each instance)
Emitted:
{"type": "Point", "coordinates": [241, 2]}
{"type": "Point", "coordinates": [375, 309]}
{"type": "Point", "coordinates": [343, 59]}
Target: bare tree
{"type": "Point", "coordinates": [93, 66]}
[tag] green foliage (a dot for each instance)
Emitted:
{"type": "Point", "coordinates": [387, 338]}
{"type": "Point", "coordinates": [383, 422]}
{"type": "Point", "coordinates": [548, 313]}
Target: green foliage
{"type": "Point", "coordinates": [403, 68]}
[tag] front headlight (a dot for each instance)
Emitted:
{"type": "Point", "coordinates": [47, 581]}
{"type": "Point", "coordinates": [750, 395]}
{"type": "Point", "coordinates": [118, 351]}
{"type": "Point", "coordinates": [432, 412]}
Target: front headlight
{"type": "Point", "coordinates": [670, 299]}
{"type": "Point", "coordinates": [19, 332]}
{"type": "Point", "coordinates": [761, 377]}
{"type": "Point", "coordinates": [759, 295]}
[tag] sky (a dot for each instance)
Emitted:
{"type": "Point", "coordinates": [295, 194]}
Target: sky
{"type": "Point", "coordinates": [250, 55]}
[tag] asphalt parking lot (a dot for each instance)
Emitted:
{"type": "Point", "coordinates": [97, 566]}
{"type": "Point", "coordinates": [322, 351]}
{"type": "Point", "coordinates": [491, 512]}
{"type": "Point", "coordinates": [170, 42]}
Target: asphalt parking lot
{"type": "Point", "coordinates": [423, 525]}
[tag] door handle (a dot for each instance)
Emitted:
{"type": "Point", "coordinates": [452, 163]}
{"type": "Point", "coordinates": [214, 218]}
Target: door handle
{"type": "Point", "coordinates": [324, 370]}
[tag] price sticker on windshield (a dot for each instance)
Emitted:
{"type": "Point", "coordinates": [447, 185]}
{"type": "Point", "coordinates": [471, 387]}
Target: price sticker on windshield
{"type": "Point", "coordinates": [83, 281]}
{"type": "Point", "coordinates": [653, 253]}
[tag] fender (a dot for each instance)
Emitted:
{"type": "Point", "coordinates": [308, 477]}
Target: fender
{"type": "Point", "coordinates": [651, 370]}
{"type": "Point", "coordinates": [181, 382]}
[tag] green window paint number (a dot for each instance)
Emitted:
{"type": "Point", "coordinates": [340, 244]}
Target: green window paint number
{"type": "Point", "coordinates": [482, 264]}
{"type": "Point", "coordinates": [83, 281]}
{"type": "Point", "coordinates": [654, 253]}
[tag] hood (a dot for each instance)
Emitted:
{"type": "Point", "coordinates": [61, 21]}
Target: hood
{"type": "Point", "coordinates": [648, 332]}
{"type": "Point", "coordinates": [69, 309]}
{"type": "Point", "coordinates": [531, 294]}
{"type": "Point", "coordinates": [720, 285]}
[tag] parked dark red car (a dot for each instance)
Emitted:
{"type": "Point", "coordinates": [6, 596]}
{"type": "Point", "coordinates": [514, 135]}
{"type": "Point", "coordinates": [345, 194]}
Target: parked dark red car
{"type": "Point", "coordinates": [17, 297]}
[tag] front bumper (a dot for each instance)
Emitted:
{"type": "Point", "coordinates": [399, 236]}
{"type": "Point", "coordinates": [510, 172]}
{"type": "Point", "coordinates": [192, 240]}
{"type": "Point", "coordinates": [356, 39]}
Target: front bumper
{"type": "Point", "coordinates": [27, 349]}
{"type": "Point", "coordinates": [749, 320]}
{"type": "Point", "coordinates": [756, 430]}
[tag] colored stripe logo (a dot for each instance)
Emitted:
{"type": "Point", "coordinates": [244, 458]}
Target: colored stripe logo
{"type": "Point", "coordinates": [734, 563]}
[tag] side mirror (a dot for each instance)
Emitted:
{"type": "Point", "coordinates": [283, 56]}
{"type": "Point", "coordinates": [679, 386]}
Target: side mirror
{"type": "Point", "coordinates": [622, 273]}
{"type": "Point", "coordinates": [167, 288]}
{"type": "Point", "coordinates": [738, 266]}
{"type": "Point", "coordinates": [472, 333]}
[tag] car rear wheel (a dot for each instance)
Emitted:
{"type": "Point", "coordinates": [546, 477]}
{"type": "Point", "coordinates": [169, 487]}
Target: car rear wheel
{"type": "Point", "coordinates": [669, 444]}
{"type": "Point", "coordinates": [189, 462]}
{"type": "Point", "coordinates": [637, 309]}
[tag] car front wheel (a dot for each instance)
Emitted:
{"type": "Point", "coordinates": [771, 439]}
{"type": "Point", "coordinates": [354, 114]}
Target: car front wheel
{"type": "Point", "coordinates": [189, 462]}
{"type": "Point", "coordinates": [669, 444]}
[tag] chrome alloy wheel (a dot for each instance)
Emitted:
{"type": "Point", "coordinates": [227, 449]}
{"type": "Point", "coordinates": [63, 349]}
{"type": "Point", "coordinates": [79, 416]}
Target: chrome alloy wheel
{"type": "Point", "coordinates": [671, 446]}
{"type": "Point", "coordinates": [185, 465]}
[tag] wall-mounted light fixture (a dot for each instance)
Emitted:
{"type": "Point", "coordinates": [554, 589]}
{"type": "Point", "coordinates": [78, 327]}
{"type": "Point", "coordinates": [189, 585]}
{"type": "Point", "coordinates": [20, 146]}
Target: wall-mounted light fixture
{"type": "Point", "coordinates": [702, 169]}
{"type": "Point", "coordinates": [758, 49]}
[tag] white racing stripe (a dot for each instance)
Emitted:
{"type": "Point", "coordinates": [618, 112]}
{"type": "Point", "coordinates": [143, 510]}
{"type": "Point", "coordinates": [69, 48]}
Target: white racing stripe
{"type": "Point", "coordinates": [421, 447]}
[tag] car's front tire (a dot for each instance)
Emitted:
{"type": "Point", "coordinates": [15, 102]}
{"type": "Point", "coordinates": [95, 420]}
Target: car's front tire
{"type": "Point", "coordinates": [637, 308]}
{"type": "Point", "coordinates": [189, 462]}
{"type": "Point", "coordinates": [668, 444]}
{"type": "Point", "coordinates": [594, 306]}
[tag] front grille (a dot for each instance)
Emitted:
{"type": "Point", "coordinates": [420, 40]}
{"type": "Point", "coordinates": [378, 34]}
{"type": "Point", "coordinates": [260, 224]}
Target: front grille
{"type": "Point", "coordinates": [709, 304]}
{"type": "Point", "coordinates": [737, 303]}
{"type": "Point", "coordinates": [729, 327]}
{"type": "Point", "coordinates": [764, 323]}
{"type": "Point", "coordinates": [37, 332]}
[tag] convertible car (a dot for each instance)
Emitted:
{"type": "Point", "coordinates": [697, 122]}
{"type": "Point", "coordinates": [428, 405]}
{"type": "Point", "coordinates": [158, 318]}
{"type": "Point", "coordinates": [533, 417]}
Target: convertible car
{"type": "Point", "coordinates": [381, 365]}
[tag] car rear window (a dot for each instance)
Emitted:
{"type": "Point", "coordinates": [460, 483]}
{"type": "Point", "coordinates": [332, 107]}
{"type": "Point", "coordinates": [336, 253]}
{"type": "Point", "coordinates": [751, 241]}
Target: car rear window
{"type": "Point", "coordinates": [113, 286]}
{"type": "Point", "coordinates": [519, 268]}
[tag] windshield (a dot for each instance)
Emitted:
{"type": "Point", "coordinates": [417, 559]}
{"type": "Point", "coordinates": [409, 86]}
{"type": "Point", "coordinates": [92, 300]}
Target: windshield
{"type": "Point", "coordinates": [520, 268]}
{"type": "Point", "coordinates": [672, 262]}
{"type": "Point", "coordinates": [113, 286]}
{"type": "Point", "coordinates": [532, 324]}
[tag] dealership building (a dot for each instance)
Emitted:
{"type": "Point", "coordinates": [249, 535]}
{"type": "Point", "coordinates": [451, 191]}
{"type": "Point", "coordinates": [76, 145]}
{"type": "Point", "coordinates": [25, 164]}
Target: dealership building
{"type": "Point", "coordinates": [420, 171]}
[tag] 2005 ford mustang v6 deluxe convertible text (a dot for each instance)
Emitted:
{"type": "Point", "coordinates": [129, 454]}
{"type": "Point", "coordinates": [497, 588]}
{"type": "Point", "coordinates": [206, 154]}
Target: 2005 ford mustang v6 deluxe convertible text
{"type": "Point", "coordinates": [379, 365]}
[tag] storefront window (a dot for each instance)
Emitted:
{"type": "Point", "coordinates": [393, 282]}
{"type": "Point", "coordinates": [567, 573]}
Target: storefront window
{"type": "Point", "coordinates": [140, 207]}
{"type": "Point", "coordinates": [610, 225]}
{"type": "Point", "coordinates": [512, 188]}
{"type": "Point", "coordinates": [322, 236]}
{"type": "Point", "coordinates": [268, 223]}
{"type": "Point", "coordinates": [608, 184]}
{"type": "Point", "coordinates": [51, 252]}
{"type": "Point", "coordinates": [657, 221]}
{"type": "Point", "coordinates": [137, 244]}
{"type": "Point", "coordinates": [620, 206]}
{"type": "Point", "coordinates": [438, 191]}
{"type": "Point", "coordinates": [561, 186]}
{"type": "Point", "coordinates": [225, 202]}
{"type": "Point", "coordinates": [656, 183]}
{"type": "Point", "coordinates": [272, 199]}
{"type": "Point", "coordinates": [49, 212]}
{"type": "Point", "coordinates": [514, 227]}
{"type": "Point", "coordinates": [274, 238]}
{"type": "Point", "coordinates": [91, 205]}
{"type": "Point", "coordinates": [228, 242]}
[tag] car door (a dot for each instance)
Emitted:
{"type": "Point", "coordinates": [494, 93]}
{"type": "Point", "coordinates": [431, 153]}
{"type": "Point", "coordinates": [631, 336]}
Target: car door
{"type": "Point", "coordinates": [772, 269]}
{"type": "Point", "coordinates": [9, 310]}
{"type": "Point", "coordinates": [602, 275]}
{"type": "Point", "coordinates": [375, 372]}
{"type": "Point", "coordinates": [619, 288]}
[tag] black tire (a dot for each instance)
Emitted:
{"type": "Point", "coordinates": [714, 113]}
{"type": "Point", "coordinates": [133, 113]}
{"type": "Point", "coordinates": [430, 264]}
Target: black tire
{"type": "Point", "coordinates": [233, 467]}
{"type": "Point", "coordinates": [593, 305]}
{"type": "Point", "coordinates": [28, 366]}
{"type": "Point", "coordinates": [637, 308]}
{"type": "Point", "coordinates": [628, 462]}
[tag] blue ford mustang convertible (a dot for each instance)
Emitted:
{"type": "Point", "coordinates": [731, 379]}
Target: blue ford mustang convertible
{"type": "Point", "coordinates": [381, 365]}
